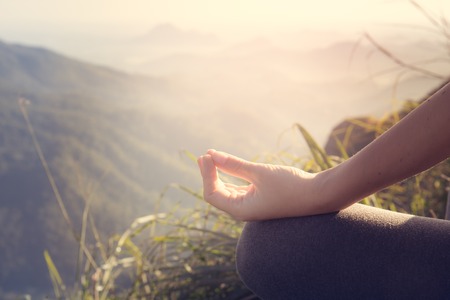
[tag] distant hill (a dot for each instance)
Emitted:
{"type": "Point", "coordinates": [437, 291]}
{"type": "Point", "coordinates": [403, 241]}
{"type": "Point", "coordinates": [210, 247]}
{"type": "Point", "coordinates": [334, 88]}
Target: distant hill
{"type": "Point", "coordinates": [169, 35]}
{"type": "Point", "coordinates": [100, 148]}
{"type": "Point", "coordinates": [113, 138]}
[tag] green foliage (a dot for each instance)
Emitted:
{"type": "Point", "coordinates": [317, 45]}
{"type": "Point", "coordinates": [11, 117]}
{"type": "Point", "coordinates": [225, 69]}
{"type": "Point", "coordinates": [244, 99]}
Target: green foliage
{"type": "Point", "coordinates": [58, 285]}
{"type": "Point", "coordinates": [94, 152]}
{"type": "Point", "coordinates": [320, 157]}
{"type": "Point", "coordinates": [183, 254]}
{"type": "Point", "coordinates": [189, 253]}
{"type": "Point", "coordinates": [424, 194]}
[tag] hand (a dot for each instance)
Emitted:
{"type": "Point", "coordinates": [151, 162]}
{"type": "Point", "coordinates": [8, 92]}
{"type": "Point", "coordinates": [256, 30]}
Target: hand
{"type": "Point", "coordinates": [273, 191]}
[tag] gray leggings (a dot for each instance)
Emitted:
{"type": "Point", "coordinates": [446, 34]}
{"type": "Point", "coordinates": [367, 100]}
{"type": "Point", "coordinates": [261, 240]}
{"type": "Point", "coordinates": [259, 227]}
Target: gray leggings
{"type": "Point", "coordinates": [359, 253]}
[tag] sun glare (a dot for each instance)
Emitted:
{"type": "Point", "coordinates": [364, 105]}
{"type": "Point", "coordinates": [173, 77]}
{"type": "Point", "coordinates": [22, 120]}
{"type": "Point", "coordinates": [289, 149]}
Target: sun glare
{"type": "Point", "coordinates": [228, 18]}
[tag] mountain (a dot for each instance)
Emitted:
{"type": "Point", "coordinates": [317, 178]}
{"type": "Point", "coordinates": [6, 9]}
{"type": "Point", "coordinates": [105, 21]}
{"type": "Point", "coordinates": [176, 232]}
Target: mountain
{"type": "Point", "coordinates": [169, 35]}
{"type": "Point", "coordinates": [113, 139]}
{"type": "Point", "coordinates": [99, 130]}
{"type": "Point", "coordinates": [317, 88]}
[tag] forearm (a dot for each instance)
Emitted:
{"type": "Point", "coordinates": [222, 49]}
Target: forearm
{"type": "Point", "coordinates": [417, 142]}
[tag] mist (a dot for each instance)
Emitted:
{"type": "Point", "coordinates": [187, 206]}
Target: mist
{"type": "Point", "coordinates": [244, 97]}
{"type": "Point", "coordinates": [116, 107]}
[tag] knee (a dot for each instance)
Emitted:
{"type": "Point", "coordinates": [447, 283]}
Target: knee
{"type": "Point", "coordinates": [278, 257]}
{"type": "Point", "coordinates": [268, 245]}
{"type": "Point", "coordinates": [246, 247]}
{"type": "Point", "coordinates": [250, 254]}
{"type": "Point", "coordinates": [266, 252]}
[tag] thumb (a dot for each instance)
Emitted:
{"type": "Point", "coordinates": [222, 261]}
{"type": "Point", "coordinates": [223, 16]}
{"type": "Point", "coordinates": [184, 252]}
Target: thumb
{"type": "Point", "coordinates": [233, 165]}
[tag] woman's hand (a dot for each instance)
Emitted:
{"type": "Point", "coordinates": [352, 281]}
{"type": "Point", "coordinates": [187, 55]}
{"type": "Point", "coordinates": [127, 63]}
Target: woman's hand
{"type": "Point", "coordinates": [416, 143]}
{"type": "Point", "coordinates": [273, 191]}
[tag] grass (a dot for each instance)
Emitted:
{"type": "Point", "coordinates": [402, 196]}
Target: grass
{"type": "Point", "coordinates": [183, 254]}
{"type": "Point", "coordinates": [189, 253]}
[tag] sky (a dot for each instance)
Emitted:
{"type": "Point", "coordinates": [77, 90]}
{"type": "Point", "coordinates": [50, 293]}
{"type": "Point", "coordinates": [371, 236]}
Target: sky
{"type": "Point", "coordinates": [231, 19]}
{"type": "Point", "coordinates": [98, 31]}
{"type": "Point", "coordinates": [105, 32]}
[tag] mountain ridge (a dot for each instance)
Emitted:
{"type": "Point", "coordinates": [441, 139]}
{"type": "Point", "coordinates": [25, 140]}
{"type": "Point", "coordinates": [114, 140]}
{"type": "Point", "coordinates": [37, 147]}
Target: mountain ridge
{"type": "Point", "coordinates": [82, 115]}
{"type": "Point", "coordinates": [115, 137]}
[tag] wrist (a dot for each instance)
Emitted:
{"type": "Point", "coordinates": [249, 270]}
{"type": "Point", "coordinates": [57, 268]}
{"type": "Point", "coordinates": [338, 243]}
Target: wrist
{"type": "Point", "coordinates": [332, 195]}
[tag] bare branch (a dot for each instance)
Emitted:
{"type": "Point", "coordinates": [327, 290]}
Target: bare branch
{"type": "Point", "coordinates": [400, 62]}
{"type": "Point", "coordinates": [442, 26]}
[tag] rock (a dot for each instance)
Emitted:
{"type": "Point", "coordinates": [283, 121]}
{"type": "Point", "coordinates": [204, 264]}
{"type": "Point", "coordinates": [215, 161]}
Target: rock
{"type": "Point", "coordinates": [353, 134]}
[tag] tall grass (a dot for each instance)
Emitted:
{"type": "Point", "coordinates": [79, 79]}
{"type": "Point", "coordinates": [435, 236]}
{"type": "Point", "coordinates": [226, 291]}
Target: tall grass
{"type": "Point", "coordinates": [190, 253]}
{"type": "Point", "coordinates": [180, 254]}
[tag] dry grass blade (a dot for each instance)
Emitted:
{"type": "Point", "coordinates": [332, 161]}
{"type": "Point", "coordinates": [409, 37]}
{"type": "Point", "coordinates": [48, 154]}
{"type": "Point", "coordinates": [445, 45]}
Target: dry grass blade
{"type": "Point", "coordinates": [138, 225]}
{"type": "Point", "coordinates": [342, 148]}
{"type": "Point", "coordinates": [22, 104]}
{"type": "Point", "coordinates": [400, 62]}
{"type": "Point", "coordinates": [442, 26]}
{"type": "Point", "coordinates": [319, 155]}
{"type": "Point", "coordinates": [189, 155]}
{"type": "Point", "coordinates": [58, 286]}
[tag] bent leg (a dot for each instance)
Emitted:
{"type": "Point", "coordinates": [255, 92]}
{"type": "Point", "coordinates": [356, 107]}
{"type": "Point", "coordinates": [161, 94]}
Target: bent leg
{"type": "Point", "coordinates": [359, 253]}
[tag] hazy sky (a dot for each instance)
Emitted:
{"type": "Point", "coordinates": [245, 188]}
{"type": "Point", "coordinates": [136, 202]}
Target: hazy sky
{"type": "Point", "coordinates": [100, 30]}
{"type": "Point", "coordinates": [230, 18]}
{"type": "Point", "coordinates": [107, 32]}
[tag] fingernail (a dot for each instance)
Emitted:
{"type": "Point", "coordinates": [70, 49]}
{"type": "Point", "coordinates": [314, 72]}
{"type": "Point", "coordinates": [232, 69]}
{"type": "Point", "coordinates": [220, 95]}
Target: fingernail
{"type": "Point", "coordinates": [219, 157]}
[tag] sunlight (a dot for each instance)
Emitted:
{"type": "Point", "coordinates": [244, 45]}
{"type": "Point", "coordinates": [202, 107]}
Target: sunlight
{"type": "Point", "coordinates": [232, 19]}
{"type": "Point", "coordinates": [98, 169]}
